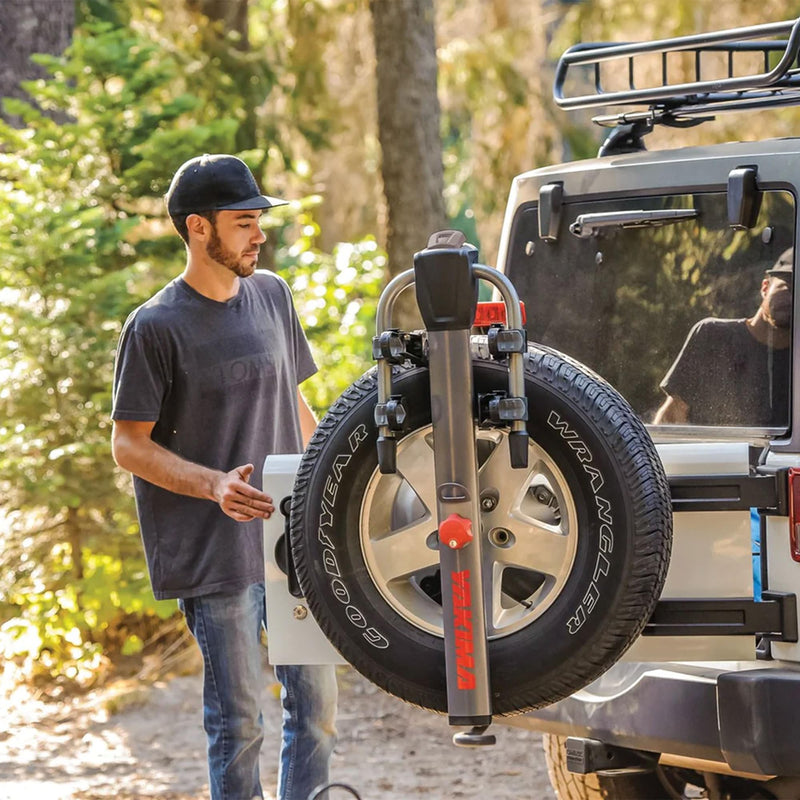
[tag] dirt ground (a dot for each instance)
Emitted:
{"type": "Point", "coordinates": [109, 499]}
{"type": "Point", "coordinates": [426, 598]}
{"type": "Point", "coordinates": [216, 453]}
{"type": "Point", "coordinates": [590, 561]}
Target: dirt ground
{"type": "Point", "coordinates": [135, 739]}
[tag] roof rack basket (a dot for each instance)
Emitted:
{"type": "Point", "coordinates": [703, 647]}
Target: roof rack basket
{"type": "Point", "coordinates": [778, 83]}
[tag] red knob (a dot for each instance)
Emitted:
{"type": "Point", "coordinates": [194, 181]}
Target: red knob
{"type": "Point", "coordinates": [455, 532]}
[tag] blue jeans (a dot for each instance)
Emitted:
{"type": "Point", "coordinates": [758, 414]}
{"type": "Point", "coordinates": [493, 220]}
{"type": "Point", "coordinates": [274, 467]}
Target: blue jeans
{"type": "Point", "coordinates": [227, 628]}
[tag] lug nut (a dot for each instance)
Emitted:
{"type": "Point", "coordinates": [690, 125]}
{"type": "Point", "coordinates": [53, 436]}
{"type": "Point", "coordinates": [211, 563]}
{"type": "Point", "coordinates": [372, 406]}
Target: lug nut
{"type": "Point", "coordinates": [489, 499]}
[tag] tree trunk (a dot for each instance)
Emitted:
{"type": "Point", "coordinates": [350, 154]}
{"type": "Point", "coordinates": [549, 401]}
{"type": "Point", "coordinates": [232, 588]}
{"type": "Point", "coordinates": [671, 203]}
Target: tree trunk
{"type": "Point", "coordinates": [231, 13]}
{"type": "Point", "coordinates": [231, 17]}
{"type": "Point", "coordinates": [75, 539]}
{"type": "Point", "coordinates": [28, 27]}
{"type": "Point", "coordinates": [408, 129]}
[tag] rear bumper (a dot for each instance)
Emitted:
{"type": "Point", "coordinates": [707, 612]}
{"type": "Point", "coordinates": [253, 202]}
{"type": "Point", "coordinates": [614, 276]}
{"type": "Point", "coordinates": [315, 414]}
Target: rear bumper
{"type": "Point", "coordinates": [747, 718]}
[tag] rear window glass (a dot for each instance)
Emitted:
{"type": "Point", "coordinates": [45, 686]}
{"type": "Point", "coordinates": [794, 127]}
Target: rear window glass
{"type": "Point", "coordinates": [679, 315]}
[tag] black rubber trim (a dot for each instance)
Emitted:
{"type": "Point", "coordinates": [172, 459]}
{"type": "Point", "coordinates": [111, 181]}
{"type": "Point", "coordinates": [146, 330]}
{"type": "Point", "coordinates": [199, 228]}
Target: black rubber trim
{"type": "Point", "coordinates": [775, 615]}
{"type": "Point", "coordinates": [730, 492]}
{"type": "Point", "coordinates": [758, 719]}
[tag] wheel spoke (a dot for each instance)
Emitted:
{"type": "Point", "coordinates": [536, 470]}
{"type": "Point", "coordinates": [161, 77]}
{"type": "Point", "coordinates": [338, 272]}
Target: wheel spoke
{"type": "Point", "coordinates": [404, 552]}
{"type": "Point", "coordinates": [415, 464]}
{"type": "Point", "coordinates": [496, 472]}
{"type": "Point", "coordinates": [502, 617]}
{"type": "Point", "coordinates": [500, 614]}
{"type": "Point", "coordinates": [535, 547]}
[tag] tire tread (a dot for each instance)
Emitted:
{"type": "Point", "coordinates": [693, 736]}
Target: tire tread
{"type": "Point", "coordinates": [651, 518]}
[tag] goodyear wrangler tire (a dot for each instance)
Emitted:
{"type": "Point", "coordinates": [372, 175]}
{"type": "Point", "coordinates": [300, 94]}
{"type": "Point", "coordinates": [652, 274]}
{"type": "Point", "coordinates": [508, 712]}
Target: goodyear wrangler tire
{"type": "Point", "coordinates": [576, 545]}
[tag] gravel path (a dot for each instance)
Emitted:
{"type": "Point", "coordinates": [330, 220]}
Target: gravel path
{"type": "Point", "coordinates": [134, 740]}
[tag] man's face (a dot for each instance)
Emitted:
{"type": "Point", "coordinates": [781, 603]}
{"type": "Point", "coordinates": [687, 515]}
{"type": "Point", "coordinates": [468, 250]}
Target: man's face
{"type": "Point", "coordinates": [777, 302]}
{"type": "Point", "coordinates": [235, 239]}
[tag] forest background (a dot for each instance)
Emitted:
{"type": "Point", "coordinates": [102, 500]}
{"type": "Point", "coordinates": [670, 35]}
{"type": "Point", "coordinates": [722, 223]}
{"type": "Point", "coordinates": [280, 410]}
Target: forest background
{"type": "Point", "coordinates": [381, 122]}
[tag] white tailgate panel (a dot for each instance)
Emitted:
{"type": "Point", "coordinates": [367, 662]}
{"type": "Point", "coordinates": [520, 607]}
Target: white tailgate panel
{"type": "Point", "coordinates": [711, 556]}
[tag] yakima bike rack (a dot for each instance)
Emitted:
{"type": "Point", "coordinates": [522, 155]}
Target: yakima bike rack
{"type": "Point", "coordinates": [446, 277]}
{"type": "Point", "coordinates": [777, 84]}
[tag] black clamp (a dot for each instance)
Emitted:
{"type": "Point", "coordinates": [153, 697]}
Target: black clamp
{"type": "Point", "coordinates": [497, 409]}
{"type": "Point", "coordinates": [396, 347]}
{"type": "Point", "coordinates": [391, 414]}
{"type": "Point", "coordinates": [390, 417]}
{"type": "Point", "coordinates": [502, 341]}
{"type": "Point", "coordinates": [389, 346]}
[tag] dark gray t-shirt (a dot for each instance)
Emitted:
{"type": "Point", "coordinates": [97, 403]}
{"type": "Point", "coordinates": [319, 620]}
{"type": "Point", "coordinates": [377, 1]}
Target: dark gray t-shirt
{"type": "Point", "coordinates": [220, 382]}
{"type": "Point", "coordinates": [726, 377]}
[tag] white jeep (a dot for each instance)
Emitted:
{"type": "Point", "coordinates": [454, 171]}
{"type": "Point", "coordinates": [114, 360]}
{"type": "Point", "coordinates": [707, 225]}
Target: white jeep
{"type": "Point", "coordinates": [648, 625]}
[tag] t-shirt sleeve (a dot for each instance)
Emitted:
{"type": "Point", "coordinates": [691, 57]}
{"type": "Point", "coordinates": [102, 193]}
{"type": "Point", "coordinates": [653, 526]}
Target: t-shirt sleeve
{"type": "Point", "coordinates": [304, 363]}
{"type": "Point", "coordinates": [140, 378]}
{"type": "Point", "coordinates": [304, 360]}
{"type": "Point", "coordinates": [683, 376]}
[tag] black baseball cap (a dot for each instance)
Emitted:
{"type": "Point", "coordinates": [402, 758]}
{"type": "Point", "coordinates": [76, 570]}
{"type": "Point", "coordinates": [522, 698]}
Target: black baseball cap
{"type": "Point", "coordinates": [215, 182]}
{"type": "Point", "coordinates": [784, 266]}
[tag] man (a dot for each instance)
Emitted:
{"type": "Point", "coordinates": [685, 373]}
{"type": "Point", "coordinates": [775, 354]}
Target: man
{"type": "Point", "coordinates": [205, 386]}
{"type": "Point", "coordinates": [735, 372]}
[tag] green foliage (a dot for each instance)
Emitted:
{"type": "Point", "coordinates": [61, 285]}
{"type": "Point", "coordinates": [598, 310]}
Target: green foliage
{"type": "Point", "coordinates": [84, 240]}
{"type": "Point", "coordinates": [67, 630]}
{"type": "Point", "coordinates": [336, 297]}
{"type": "Point", "coordinates": [74, 199]}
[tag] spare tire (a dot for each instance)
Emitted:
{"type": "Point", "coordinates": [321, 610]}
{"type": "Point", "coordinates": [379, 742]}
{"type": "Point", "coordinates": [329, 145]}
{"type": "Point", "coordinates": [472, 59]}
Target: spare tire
{"type": "Point", "coordinates": [576, 545]}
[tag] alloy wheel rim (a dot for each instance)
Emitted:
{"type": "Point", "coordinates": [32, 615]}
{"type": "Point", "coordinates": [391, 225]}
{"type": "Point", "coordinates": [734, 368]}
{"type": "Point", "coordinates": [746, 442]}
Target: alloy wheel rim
{"type": "Point", "coordinates": [528, 533]}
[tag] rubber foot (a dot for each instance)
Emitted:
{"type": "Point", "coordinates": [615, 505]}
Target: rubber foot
{"type": "Point", "coordinates": [387, 455]}
{"type": "Point", "coordinates": [518, 449]}
{"type": "Point", "coordinates": [477, 737]}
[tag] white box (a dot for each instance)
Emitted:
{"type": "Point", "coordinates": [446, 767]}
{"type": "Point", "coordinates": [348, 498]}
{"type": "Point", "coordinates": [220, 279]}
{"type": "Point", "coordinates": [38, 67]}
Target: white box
{"type": "Point", "coordinates": [293, 636]}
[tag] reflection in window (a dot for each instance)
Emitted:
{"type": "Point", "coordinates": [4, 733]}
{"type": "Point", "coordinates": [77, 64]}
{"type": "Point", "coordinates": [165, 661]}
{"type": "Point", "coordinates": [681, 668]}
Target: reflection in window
{"type": "Point", "coordinates": [683, 319]}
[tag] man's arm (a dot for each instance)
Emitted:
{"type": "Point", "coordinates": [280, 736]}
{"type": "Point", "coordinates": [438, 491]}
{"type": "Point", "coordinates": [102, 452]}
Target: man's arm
{"type": "Point", "coordinates": [308, 422]}
{"type": "Point", "coordinates": [672, 412]}
{"type": "Point", "coordinates": [134, 450]}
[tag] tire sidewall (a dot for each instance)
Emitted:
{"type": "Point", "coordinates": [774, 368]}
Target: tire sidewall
{"type": "Point", "coordinates": [551, 657]}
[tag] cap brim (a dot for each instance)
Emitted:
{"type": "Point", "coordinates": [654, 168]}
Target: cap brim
{"type": "Point", "coordinates": [259, 201]}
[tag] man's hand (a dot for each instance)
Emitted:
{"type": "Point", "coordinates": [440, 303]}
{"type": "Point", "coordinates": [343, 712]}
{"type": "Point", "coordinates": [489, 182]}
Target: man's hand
{"type": "Point", "coordinates": [238, 499]}
{"type": "Point", "coordinates": [134, 449]}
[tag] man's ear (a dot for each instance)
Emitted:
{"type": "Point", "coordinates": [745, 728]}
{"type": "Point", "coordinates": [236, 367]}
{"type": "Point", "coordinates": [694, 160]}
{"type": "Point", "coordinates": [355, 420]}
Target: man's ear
{"type": "Point", "coordinates": [764, 287]}
{"type": "Point", "coordinates": [197, 226]}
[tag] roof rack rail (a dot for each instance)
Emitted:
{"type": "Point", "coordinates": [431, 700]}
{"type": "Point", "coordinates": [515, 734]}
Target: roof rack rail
{"type": "Point", "coordinates": [778, 83]}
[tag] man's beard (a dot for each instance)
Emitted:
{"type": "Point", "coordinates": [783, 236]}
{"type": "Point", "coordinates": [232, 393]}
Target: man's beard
{"type": "Point", "coordinates": [219, 253]}
{"type": "Point", "coordinates": [779, 313]}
